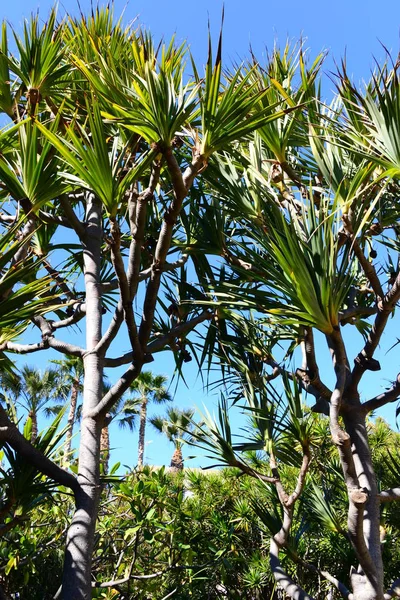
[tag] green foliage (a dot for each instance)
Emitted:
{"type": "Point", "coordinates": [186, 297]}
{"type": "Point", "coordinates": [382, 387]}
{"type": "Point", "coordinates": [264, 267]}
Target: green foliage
{"type": "Point", "coordinates": [24, 492]}
{"type": "Point", "coordinates": [274, 205]}
{"type": "Point", "coordinates": [200, 532]}
{"type": "Point", "coordinates": [175, 425]}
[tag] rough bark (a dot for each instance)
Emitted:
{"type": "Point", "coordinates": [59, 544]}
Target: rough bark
{"type": "Point", "coordinates": [142, 431]}
{"type": "Point", "coordinates": [177, 460]}
{"type": "Point", "coordinates": [105, 448]}
{"type": "Point", "coordinates": [33, 417]}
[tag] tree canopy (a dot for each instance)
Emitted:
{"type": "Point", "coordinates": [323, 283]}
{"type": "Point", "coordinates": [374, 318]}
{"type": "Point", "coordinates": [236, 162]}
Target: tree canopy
{"type": "Point", "coordinates": [144, 197]}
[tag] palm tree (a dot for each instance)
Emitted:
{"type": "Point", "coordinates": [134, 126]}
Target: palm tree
{"type": "Point", "coordinates": [71, 371]}
{"type": "Point", "coordinates": [176, 425]}
{"type": "Point", "coordinates": [148, 388]}
{"type": "Point", "coordinates": [35, 390]}
{"type": "Point", "coordinates": [23, 486]}
{"type": "Point", "coordinates": [125, 412]}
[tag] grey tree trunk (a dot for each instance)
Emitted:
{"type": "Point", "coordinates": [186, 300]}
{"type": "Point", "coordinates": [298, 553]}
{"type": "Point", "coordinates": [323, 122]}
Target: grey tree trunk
{"type": "Point", "coordinates": [142, 430]}
{"type": "Point", "coordinates": [76, 583]}
{"type": "Point", "coordinates": [363, 588]}
{"type": "Point", "coordinates": [71, 421]}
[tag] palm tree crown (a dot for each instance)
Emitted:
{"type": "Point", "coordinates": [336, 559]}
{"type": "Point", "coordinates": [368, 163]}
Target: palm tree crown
{"type": "Point", "coordinates": [72, 372]}
{"type": "Point", "coordinates": [176, 426]}
{"type": "Point", "coordinates": [148, 388]}
{"type": "Point", "coordinates": [36, 390]}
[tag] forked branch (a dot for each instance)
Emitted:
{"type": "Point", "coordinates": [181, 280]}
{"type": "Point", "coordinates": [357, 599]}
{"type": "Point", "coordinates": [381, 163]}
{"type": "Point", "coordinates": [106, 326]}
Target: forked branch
{"type": "Point", "coordinates": [181, 183]}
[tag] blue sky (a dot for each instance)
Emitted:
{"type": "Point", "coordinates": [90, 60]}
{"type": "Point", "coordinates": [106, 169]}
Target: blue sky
{"type": "Point", "coordinates": [336, 26]}
{"type": "Point", "coordinates": [353, 27]}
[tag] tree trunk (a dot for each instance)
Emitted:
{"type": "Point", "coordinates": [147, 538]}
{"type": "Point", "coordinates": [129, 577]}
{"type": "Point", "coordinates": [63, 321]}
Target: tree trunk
{"type": "Point", "coordinates": [363, 588]}
{"type": "Point", "coordinates": [177, 460]}
{"type": "Point", "coordinates": [80, 539]}
{"type": "Point", "coordinates": [363, 517]}
{"type": "Point", "coordinates": [105, 448]}
{"type": "Point", "coordinates": [142, 430]}
{"type": "Point", "coordinates": [33, 416]}
{"type": "Point", "coordinates": [71, 421]}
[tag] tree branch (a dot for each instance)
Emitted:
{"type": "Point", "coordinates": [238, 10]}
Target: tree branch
{"type": "Point", "coordinates": [279, 540]}
{"type": "Point", "coordinates": [390, 395]}
{"type": "Point", "coordinates": [290, 588]}
{"type": "Point", "coordinates": [252, 472]}
{"type": "Point", "coordinates": [367, 266]}
{"type": "Point", "coordinates": [112, 331]}
{"type": "Point", "coordinates": [6, 527]}
{"type": "Point", "coordinates": [355, 522]}
{"type": "Point", "coordinates": [46, 217]}
{"type": "Point", "coordinates": [12, 436]}
{"type": "Point", "coordinates": [181, 184]}
{"type": "Point", "coordinates": [235, 261]}
{"type": "Point", "coordinates": [293, 590]}
{"type": "Point", "coordinates": [60, 281]}
{"type": "Point", "coordinates": [301, 478]}
{"type": "Point", "coordinates": [123, 285]}
{"type": "Point", "coordinates": [299, 376]}
{"type": "Point", "coordinates": [65, 347]}
{"type": "Point", "coordinates": [116, 391]}
{"type": "Point", "coordinates": [160, 342]}
{"type": "Point", "coordinates": [178, 332]}
{"type": "Point", "coordinates": [46, 328]}
{"type": "Point", "coordinates": [363, 360]}
{"type": "Point", "coordinates": [9, 219]}
{"type": "Point", "coordinates": [49, 342]}
{"type": "Point", "coordinates": [164, 268]}
{"type": "Point", "coordinates": [341, 588]}
{"type": "Point", "coordinates": [79, 311]}
{"type": "Point", "coordinates": [70, 214]}
{"type": "Point", "coordinates": [312, 370]}
{"type": "Point", "coordinates": [391, 495]}
{"type": "Point", "coordinates": [357, 496]}
{"type": "Point", "coordinates": [393, 591]}
{"type": "Point", "coordinates": [23, 348]}
{"type": "Point", "coordinates": [137, 207]}
{"type": "Point", "coordinates": [340, 437]}
{"type": "Point", "coordinates": [350, 314]}
{"type": "Point", "coordinates": [282, 494]}
{"type": "Point", "coordinates": [107, 584]}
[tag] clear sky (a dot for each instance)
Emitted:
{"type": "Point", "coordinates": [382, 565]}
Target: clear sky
{"type": "Point", "coordinates": [356, 27]}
